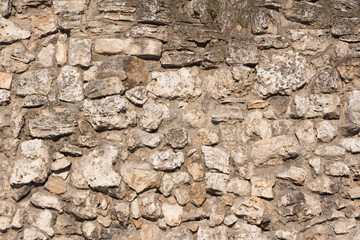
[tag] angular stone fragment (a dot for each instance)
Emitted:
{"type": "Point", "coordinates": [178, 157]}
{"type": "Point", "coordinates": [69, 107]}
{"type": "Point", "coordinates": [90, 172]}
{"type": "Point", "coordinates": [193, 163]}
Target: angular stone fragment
{"type": "Point", "coordinates": [173, 180]}
{"type": "Point", "coordinates": [182, 195]}
{"type": "Point", "coordinates": [294, 174]}
{"type": "Point", "coordinates": [45, 56]}
{"type": "Point", "coordinates": [216, 158]}
{"type": "Point", "coordinates": [140, 176]}
{"type": "Point", "coordinates": [34, 82]}
{"type": "Point", "coordinates": [326, 132]}
{"type": "Point", "coordinates": [148, 31]}
{"type": "Point", "coordinates": [274, 151]}
{"type": "Point", "coordinates": [240, 53]}
{"type": "Point", "coordinates": [207, 137]}
{"type": "Point", "coordinates": [55, 185]}
{"type": "Point", "coordinates": [334, 152]}
{"type": "Point", "coordinates": [238, 187]}
{"type": "Point", "coordinates": [354, 193]}
{"type": "Point", "coordinates": [216, 183]}
{"type": "Point", "coordinates": [337, 169]}
{"type": "Point", "coordinates": [79, 52]}
{"type": "Point", "coordinates": [255, 126]}
{"type": "Point", "coordinates": [137, 138]}
{"type": "Point", "coordinates": [61, 50]}
{"type": "Point", "coordinates": [259, 23]}
{"type": "Point", "coordinates": [137, 95]}
{"type": "Point", "coordinates": [225, 113]}
{"type": "Point", "coordinates": [351, 144]}
{"type": "Point", "coordinates": [181, 84]}
{"type": "Point", "coordinates": [251, 208]}
{"type": "Point", "coordinates": [327, 81]}
{"type": "Point", "coordinates": [45, 199]}
{"type": "Point", "coordinates": [53, 125]}
{"type": "Point", "coordinates": [167, 160]}
{"type": "Point", "coordinates": [349, 130]}
{"type": "Point", "coordinates": [21, 193]}
{"type": "Point", "coordinates": [43, 24]}
{"type": "Point", "coordinates": [172, 213]}
{"type": "Point", "coordinates": [76, 6]}
{"type": "Point", "coordinates": [70, 84]}
{"type": "Point", "coordinates": [353, 107]}
{"type": "Point", "coordinates": [262, 187]}
{"type": "Point", "coordinates": [323, 185]}
{"type": "Point", "coordinates": [96, 169]}
{"type": "Point", "coordinates": [155, 13]}
{"type": "Point", "coordinates": [312, 106]}
{"type": "Point", "coordinates": [177, 137]}
{"type": "Point", "coordinates": [282, 73]}
{"type": "Point", "coordinates": [81, 204]}
{"type": "Point", "coordinates": [179, 58]}
{"type": "Point", "coordinates": [104, 87]}
{"type": "Point", "coordinates": [33, 233]}
{"type": "Point", "coordinates": [145, 48]}
{"type": "Point", "coordinates": [152, 116]}
{"type": "Point", "coordinates": [5, 80]}
{"type": "Point", "coordinates": [271, 41]}
{"type": "Point", "coordinates": [308, 13]}
{"type": "Point", "coordinates": [91, 230]}
{"type": "Point", "coordinates": [33, 166]}
{"type": "Point", "coordinates": [4, 97]}
{"type": "Point", "coordinates": [216, 233]}
{"type": "Point", "coordinates": [5, 7]}
{"type": "Point", "coordinates": [150, 206]}
{"type": "Point", "coordinates": [10, 32]}
{"type": "Point", "coordinates": [310, 41]}
{"type": "Point", "coordinates": [42, 219]}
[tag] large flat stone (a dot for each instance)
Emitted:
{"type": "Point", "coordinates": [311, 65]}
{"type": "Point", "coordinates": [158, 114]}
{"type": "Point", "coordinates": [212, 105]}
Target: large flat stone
{"type": "Point", "coordinates": [34, 82]}
{"type": "Point", "coordinates": [9, 32]}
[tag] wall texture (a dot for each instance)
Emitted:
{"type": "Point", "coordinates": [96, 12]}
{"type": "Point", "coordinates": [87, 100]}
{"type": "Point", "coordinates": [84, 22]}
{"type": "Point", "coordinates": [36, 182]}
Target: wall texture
{"type": "Point", "coordinates": [180, 120]}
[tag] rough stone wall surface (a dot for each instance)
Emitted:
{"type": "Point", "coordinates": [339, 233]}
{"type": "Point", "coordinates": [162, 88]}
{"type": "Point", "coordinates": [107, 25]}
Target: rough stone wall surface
{"type": "Point", "coordinates": [186, 119]}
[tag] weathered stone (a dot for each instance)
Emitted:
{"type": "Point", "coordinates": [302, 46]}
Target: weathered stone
{"type": "Point", "coordinates": [167, 160]}
{"type": "Point", "coordinates": [179, 58]}
{"type": "Point", "coordinates": [344, 26]}
{"type": "Point", "coordinates": [144, 48]}
{"type": "Point", "coordinates": [42, 219]}
{"type": "Point", "coordinates": [153, 115]}
{"type": "Point", "coordinates": [216, 183]}
{"type": "Point", "coordinates": [323, 185]}
{"type": "Point", "coordinates": [34, 82]}
{"type": "Point", "coordinates": [81, 204]}
{"type": "Point", "coordinates": [4, 97]}
{"type": "Point", "coordinates": [5, 8]}
{"type": "Point", "coordinates": [255, 126]}
{"type": "Point", "coordinates": [310, 41]}
{"type": "Point", "coordinates": [238, 187]}
{"type": "Point", "coordinates": [31, 101]}
{"type": "Point", "coordinates": [207, 233]}
{"type": "Point", "coordinates": [337, 169]}
{"type": "Point", "coordinates": [225, 113]}
{"type": "Point", "coordinates": [182, 195]}
{"type": "Point", "coordinates": [333, 152]}
{"type": "Point", "coordinates": [326, 132]}
{"type": "Point", "coordinates": [150, 206]}
{"type": "Point", "coordinates": [208, 137]}
{"type": "Point", "coordinates": [349, 130]}
{"type": "Point", "coordinates": [91, 230]}
{"type": "Point", "coordinates": [282, 73]}
{"type": "Point", "coordinates": [214, 54]}
{"type": "Point", "coordinates": [274, 151]}
{"type": "Point", "coordinates": [5, 80]}
{"type": "Point", "coordinates": [7, 211]}
{"type": "Point", "coordinates": [53, 125]}
{"type": "Point", "coordinates": [21, 193]}
{"type": "Point", "coordinates": [181, 84]}
{"type": "Point", "coordinates": [55, 185]}
{"type": "Point", "coordinates": [294, 174]}
{"type": "Point", "coordinates": [104, 87]}
{"type": "Point", "coordinates": [308, 13]}
{"type": "Point", "coordinates": [79, 52]}
{"type": "Point", "coordinates": [217, 212]}
{"type": "Point", "coordinates": [230, 220]}
{"type": "Point", "coordinates": [259, 23]}
{"type": "Point", "coordinates": [20, 53]}
{"type": "Point", "coordinates": [351, 144]}
{"type": "Point", "coordinates": [173, 180]}
{"type": "Point", "coordinates": [327, 81]}
{"type": "Point", "coordinates": [122, 212]}
{"type": "Point", "coordinates": [216, 158]}
{"type": "Point", "coordinates": [240, 53]}
{"type": "Point", "coordinates": [271, 41]}
{"type": "Point", "coordinates": [148, 31]}
{"type": "Point", "coordinates": [262, 187]}
{"type": "Point", "coordinates": [172, 214]}
{"type": "Point", "coordinates": [33, 233]}
{"type": "Point", "coordinates": [96, 169]}
{"type": "Point", "coordinates": [69, 84]}
{"type": "Point", "coordinates": [251, 208]}
{"type": "Point", "coordinates": [177, 137]}
{"type": "Point", "coordinates": [149, 231]}
{"type": "Point", "coordinates": [281, 126]}
{"type": "Point", "coordinates": [354, 193]}
{"type": "Point", "coordinates": [45, 58]}
{"type": "Point", "coordinates": [137, 95]}
{"type": "Point", "coordinates": [43, 24]}
{"type": "Point", "coordinates": [10, 32]}
{"type": "Point", "coordinates": [353, 107]}
{"type": "Point", "coordinates": [33, 167]}
{"type": "Point", "coordinates": [45, 199]}
{"type": "Point", "coordinates": [343, 226]}
{"type": "Point", "coordinates": [140, 176]}
{"type": "Point", "coordinates": [312, 106]}
{"type": "Point", "coordinates": [76, 6]}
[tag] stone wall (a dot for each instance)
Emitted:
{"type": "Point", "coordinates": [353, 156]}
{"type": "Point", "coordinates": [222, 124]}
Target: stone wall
{"type": "Point", "coordinates": [180, 119]}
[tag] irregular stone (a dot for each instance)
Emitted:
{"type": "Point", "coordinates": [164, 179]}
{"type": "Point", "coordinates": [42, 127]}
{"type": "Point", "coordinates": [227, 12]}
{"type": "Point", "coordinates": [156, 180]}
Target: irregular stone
{"type": "Point", "coordinates": [216, 158]}
{"type": "Point", "coordinates": [328, 81]}
{"type": "Point", "coordinates": [217, 212]}
{"type": "Point", "coordinates": [323, 185]}
{"type": "Point", "coordinates": [148, 31]}
{"type": "Point", "coordinates": [53, 125]}
{"type": "Point", "coordinates": [251, 208]}
{"type": "Point", "coordinates": [140, 176]}
{"type": "Point", "coordinates": [230, 220]}
{"type": "Point", "coordinates": [104, 87]}
{"type": "Point", "coordinates": [353, 107]}
{"type": "Point", "coordinates": [91, 230]}
{"type": "Point", "coordinates": [108, 113]}
{"type": "Point", "coordinates": [152, 116]}
{"type": "Point", "coordinates": [326, 132]}
{"type": "Point", "coordinates": [70, 150]}
{"type": "Point", "coordinates": [207, 137]}
{"type": "Point", "coordinates": [45, 199]}
{"type": "Point", "coordinates": [61, 50]}
{"type": "Point", "coordinates": [137, 95]}
{"type": "Point", "coordinates": [42, 219]}
{"type": "Point", "coordinates": [20, 53]}
{"type": "Point", "coordinates": [225, 113]}
{"type": "Point", "coordinates": [81, 204]}
{"type": "Point", "coordinates": [179, 58]}
{"type": "Point", "coordinates": [167, 160]}
{"type": "Point", "coordinates": [122, 212]}
{"type": "Point", "coordinates": [282, 73]}
{"type": "Point", "coordinates": [150, 206]}
{"type": "Point", "coordinates": [334, 152]}
{"type": "Point", "coordinates": [46, 56]}
{"type": "Point", "coordinates": [152, 12]}
{"type": "Point", "coordinates": [274, 151]}
{"type": "Point", "coordinates": [315, 163]}
{"type": "Point", "coordinates": [69, 84]}
{"type": "Point", "coordinates": [31, 101]}
{"type": "Point", "coordinates": [214, 54]}
{"type": "Point", "coordinates": [34, 82]}
{"type": "Point", "coordinates": [173, 180]}
{"type": "Point", "coordinates": [137, 138]}
{"type": "Point", "coordinates": [33, 166]}
{"type": "Point", "coordinates": [4, 97]}
{"type": "Point", "coordinates": [287, 234]}
{"type": "Point", "coordinates": [216, 183]}
{"type": "Point", "coordinates": [255, 126]}
{"type": "Point", "coordinates": [238, 187]}
{"type": "Point", "coordinates": [195, 168]}
{"type": "Point", "coordinates": [150, 231]}
{"type": "Point", "coordinates": [271, 41]}
{"type": "Point", "coordinates": [43, 24]}
{"type": "Point", "coordinates": [181, 84]}
{"type": "Point", "coordinates": [313, 105]}
{"type": "Point", "coordinates": [33, 233]}
{"type": "Point", "coordinates": [79, 52]}
{"type": "Point", "coordinates": [182, 195]}
{"type": "Point", "coordinates": [96, 169]}
{"type": "Point", "coordinates": [5, 80]}
{"type": "Point", "coordinates": [172, 214]}
{"type": "Point", "coordinates": [257, 104]}
{"type": "Point", "coordinates": [55, 185]}
{"type": "Point", "coordinates": [66, 225]}
{"type": "Point", "coordinates": [145, 48]}
{"type": "Point", "coordinates": [309, 41]}
{"type": "Point", "coordinates": [259, 23]}
{"type": "Point", "coordinates": [337, 169]}
{"type": "Point", "coordinates": [351, 144]}
{"type": "Point", "coordinates": [216, 233]}
{"type": "Point", "coordinates": [76, 6]}
{"type": "Point", "coordinates": [308, 13]}
{"type": "Point", "coordinates": [177, 137]}
{"type": "Point", "coordinates": [21, 193]}
{"type": "Point", "coordinates": [242, 54]}
{"type": "Point", "coordinates": [343, 226]}
{"type": "Point", "coordinates": [344, 26]}
{"type": "Point", "coordinates": [349, 130]}
{"type": "Point", "coordinates": [262, 187]}
{"type": "Point", "coordinates": [354, 193]}
{"type": "Point", "coordinates": [5, 8]}
{"type": "Point", "coordinates": [10, 32]}
{"type": "Point", "coordinates": [294, 174]}
{"type": "Point", "coordinates": [281, 127]}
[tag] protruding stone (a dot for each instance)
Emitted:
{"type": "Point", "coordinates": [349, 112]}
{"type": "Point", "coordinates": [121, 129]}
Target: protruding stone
{"type": "Point", "coordinates": [172, 214]}
{"type": "Point", "coordinates": [216, 158]}
{"type": "Point", "coordinates": [152, 116]}
{"type": "Point", "coordinates": [61, 50]}
{"type": "Point", "coordinates": [240, 53]}
{"type": "Point", "coordinates": [4, 97]}
{"type": "Point", "coordinates": [45, 199]}
{"type": "Point", "coordinates": [34, 82]}
{"type": "Point", "coordinates": [5, 80]}
{"type": "Point", "coordinates": [216, 183]}
{"type": "Point", "coordinates": [79, 52]}
{"type": "Point", "coordinates": [43, 24]}
{"type": "Point", "coordinates": [150, 206]}
{"type": "Point", "coordinates": [70, 84]}
{"type": "Point", "coordinates": [177, 137]}
{"type": "Point", "coordinates": [179, 58]}
{"type": "Point", "coordinates": [294, 174]}
{"type": "Point", "coordinates": [251, 208]}
{"type": "Point", "coordinates": [173, 180]}
{"type": "Point", "coordinates": [32, 101]}
{"type": "Point", "coordinates": [104, 87]}
{"type": "Point", "coordinates": [167, 160]}
{"type": "Point", "coordinates": [238, 187]}
{"type": "Point", "coordinates": [337, 169]}
{"type": "Point", "coordinates": [10, 32]}
{"type": "Point", "coordinates": [262, 187]}
{"type": "Point", "coordinates": [42, 219]}
{"type": "Point", "coordinates": [137, 95]}
{"type": "Point", "coordinates": [207, 233]}
{"type": "Point", "coordinates": [353, 107]}
{"type": "Point", "coordinates": [310, 41]}
{"type": "Point", "coordinates": [323, 185]}
{"type": "Point", "coordinates": [334, 152]}
{"type": "Point", "coordinates": [326, 132]}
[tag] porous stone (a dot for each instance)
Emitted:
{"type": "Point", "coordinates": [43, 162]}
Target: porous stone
{"type": "Point", "coordinates": [251, 208]}
{"type": "Point", "coordinates": [239, 187]}
{"type": "Point", "coordinates": [310, 41]}
{"type": "Point", "coordinates": [150, 206]}
{"type": "Point", "coordinates": [216, 158]}
{"type": "Point", "coordinates": [282, 73]}
{"type": "Point", "coordinates": [10, 32]}
{"type": "Point", "coordinates": [137, 95]}
{"type": "Point", "coordinates": [4, 97]}
{"type": "Point", "coordinates": [45, 199]}
{"type": "Point", "coordinates": [179, 58]}
{"type": "Point", "coordinates": [327, 81]}
{"type": "Point", "coordinates": [34, 82]}
{"type": "Point", "coordinates": [42, 219]}
{"type": "Point", "coordinates": [334, 152]}
{"type": "Point", "coordinates": [337, 169]}
{"type": "Point", "coordinates": [70, 85]}
{"type": "Point", "coordinates": [153, 115]}
{"type": "Point", "coordinates": [259, 23]}
{"type": "Point", "coordinates": [216, 183]}
{"type": "Point", "coordinates": [172, 214]}
{"type": "Point", "coordinates": [177, 137]}
{"type": "Point", "coordinates": [225, 113]}
{"type": "Point", "coordinates": [104, 87]}
{"type": "Point", "coordinates": [207, 233]}
{"type": "Point", "coordinates": [173, 180]}
{"type": "Point", "coordinates": [31, 101]}
{"type": "Point", "coordinates": [323, 185]}
{"type": "Point", "coordinates": [262, 187]}
{"type": "Point", "coordinates": [326, 132]}
{"type": "Point", "coordinates": [294, 174]}
{"type": "Point", "coordinates": [76, 6]}
{"type": "Point", "coordinates": [240, 53]}
{"type": "Point", "coordinates": [167, 160]}
{"type": "Point", "coordinates": [79, 52]}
